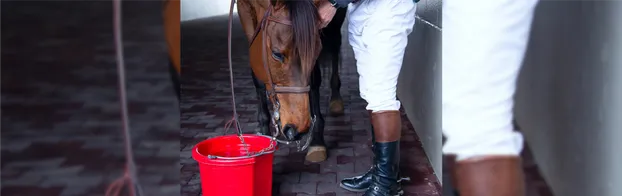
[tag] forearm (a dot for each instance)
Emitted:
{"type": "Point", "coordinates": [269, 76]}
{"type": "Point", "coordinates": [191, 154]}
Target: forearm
{"type": "Point", "coordinates": [345, 3]}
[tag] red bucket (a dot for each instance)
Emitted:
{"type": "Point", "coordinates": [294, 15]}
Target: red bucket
{"type": "Point", "coordinates": [227, 171]}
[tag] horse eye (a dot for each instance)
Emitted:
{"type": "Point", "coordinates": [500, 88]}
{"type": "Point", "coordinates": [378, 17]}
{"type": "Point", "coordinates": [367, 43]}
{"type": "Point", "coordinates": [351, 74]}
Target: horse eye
{"type": "Point", "coordinates": [278, 56]}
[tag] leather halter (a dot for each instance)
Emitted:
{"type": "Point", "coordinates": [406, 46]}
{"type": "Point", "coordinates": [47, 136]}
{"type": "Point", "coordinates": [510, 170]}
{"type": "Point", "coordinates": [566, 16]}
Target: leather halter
{"type": "Point", "coordinates": [275, 89]}
{"type": "Point", "coordinates": [264, 22]}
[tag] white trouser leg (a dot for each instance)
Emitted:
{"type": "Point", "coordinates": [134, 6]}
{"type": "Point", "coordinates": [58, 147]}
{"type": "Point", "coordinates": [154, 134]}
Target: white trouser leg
{"type": "Point", "coordinates": [378, 33]}
{"type": "Point", "coordinates": [483, 48]}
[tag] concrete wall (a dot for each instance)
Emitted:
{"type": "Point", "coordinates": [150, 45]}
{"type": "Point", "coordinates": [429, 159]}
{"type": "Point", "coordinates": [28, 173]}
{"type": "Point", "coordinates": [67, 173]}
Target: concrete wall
{"type": "Point", "coordinates": [568, 100]}
{"type": "Point", "coordinates": [419, 85]}
{"type": "Point", "coordinates": [614, 125]}
{"type": "Point", "coordinates": [194, 9]}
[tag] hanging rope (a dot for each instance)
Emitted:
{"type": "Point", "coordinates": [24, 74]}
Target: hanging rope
{"type": "Point", "coordinates": [129, 176]}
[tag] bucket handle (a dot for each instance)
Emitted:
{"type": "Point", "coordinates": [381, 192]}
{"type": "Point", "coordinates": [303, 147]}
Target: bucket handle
{"type": "Point", "coordinates": [212, 157]}
{"type": "Point", "coordinates": [262, 152]}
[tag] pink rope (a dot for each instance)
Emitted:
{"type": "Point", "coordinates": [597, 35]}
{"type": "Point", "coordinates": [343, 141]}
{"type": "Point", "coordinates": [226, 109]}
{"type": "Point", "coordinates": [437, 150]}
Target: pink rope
{"type": "Point", "coordinates": [129, 176]}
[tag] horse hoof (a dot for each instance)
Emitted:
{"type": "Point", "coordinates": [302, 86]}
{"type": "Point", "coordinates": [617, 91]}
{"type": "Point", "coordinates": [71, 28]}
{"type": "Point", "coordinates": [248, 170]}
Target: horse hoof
{"type": "Point", "coordinates": [336, 107]}
{"type": "Point", "coordinates": [316, 154]}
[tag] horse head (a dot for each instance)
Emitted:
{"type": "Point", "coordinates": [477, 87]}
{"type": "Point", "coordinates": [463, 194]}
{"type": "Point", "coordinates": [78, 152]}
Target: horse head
{"type": "Point", "coordinates": [283, 51]}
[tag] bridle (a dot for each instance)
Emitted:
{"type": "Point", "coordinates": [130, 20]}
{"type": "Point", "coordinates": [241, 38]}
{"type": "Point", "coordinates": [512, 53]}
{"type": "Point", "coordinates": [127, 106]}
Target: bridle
{"type": "Point", "coordinates": [274, 89]}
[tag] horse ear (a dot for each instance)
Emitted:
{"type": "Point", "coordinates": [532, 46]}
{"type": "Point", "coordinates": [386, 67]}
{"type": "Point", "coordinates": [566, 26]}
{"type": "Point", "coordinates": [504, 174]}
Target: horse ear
{"type": "Point", "coordinates": [326, 11]}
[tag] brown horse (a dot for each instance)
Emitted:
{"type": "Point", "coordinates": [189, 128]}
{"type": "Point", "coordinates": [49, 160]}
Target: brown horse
{"type": "Point", "coordinates": [329, 58]}
{"type": "Point", "coordinates": [284, 39]}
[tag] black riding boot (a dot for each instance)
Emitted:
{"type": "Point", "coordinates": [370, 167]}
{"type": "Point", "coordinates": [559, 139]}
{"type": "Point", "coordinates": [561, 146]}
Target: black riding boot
{"type": "Point", "coordinates": [387, 127]}
{"type": "Point", "coordinates": [385, 174]}
{"type": "Point", "coordinates": [362, 182]}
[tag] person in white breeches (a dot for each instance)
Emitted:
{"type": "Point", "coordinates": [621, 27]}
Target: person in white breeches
{"type": "Point", "coordinates": [378, 33]}
{"type": "Point", "coordinates": [483, 46]}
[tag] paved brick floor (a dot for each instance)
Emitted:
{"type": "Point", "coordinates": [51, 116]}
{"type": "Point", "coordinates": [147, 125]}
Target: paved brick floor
{"type": "Point", "coordinates": [60, 112]}
{"type": "Point", "coordinates": [206, 106]}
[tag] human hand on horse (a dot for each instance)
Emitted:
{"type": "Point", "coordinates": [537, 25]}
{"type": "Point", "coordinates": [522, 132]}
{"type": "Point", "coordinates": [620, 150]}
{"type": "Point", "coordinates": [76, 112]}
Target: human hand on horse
{"type": "Point", "coordinates": [326, 11]}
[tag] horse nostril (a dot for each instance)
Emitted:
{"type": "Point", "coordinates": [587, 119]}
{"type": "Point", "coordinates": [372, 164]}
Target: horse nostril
{"type": "Point", "coordinates": [290, 132]}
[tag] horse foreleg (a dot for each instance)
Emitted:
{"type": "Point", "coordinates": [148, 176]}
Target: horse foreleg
{"type": "Point", "coordinates": [263, 113]}
{"type": "Point", "coordinates": [336, 102]}
{"type": "Point", "coordinates": [317, 147]}
{"type": "Point", "coordinates": [175, 79]}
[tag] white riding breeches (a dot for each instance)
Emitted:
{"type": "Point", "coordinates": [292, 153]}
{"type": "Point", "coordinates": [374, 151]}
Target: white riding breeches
{"type": "Point", "coordinates": [483, 46]}
{"type": "Point", "coordinates": [378, 33]}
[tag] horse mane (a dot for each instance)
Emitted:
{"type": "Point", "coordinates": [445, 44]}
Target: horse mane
{"type": "Point", "coordinates": [304, 17]}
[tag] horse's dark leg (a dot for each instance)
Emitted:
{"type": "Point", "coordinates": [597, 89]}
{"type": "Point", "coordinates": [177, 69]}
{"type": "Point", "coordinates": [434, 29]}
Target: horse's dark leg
{"type": "Point", "coordinates": [336, 103]}
{"type": "Point", "coordinates": [263, 113]}
{"type": "Point", "coordinates": [332, 42]}
{"type": "Point", "coordinates": [317, 148]}
{"type": "Point", "coordinates": [175, 79]}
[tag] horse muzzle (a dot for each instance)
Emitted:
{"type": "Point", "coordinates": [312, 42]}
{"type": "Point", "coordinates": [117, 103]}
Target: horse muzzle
{"type": "Point", "coordinates": [290, 132]}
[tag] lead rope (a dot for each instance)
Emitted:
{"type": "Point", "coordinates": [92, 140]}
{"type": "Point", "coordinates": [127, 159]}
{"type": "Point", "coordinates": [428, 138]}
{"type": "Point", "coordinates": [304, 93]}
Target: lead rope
{"type": "Point", "coordinates": [234, 120]}
{"type": "Point", "coordinates": [129, 175]}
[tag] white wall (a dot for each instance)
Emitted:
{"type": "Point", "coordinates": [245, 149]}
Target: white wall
{"type": "Point", "coordinates": [569, 95]}
{"type": "Point", "coordinates": [194, 9]}
{"type": "Point", "coordinates": [419, 87]}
